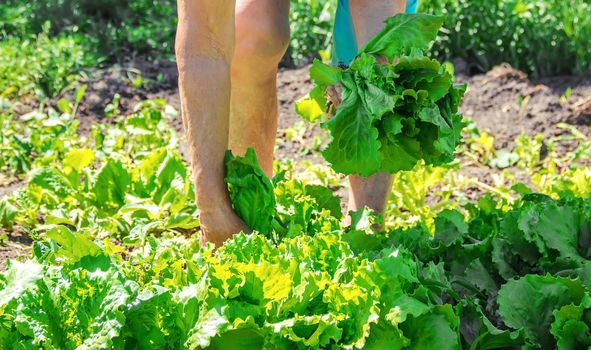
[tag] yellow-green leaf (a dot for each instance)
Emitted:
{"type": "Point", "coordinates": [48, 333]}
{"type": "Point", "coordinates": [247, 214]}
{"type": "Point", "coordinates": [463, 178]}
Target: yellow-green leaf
{"type": "Point", "coordinates": [78, 159]}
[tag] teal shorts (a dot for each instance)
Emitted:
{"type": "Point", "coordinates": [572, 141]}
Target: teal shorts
{"type": "Point", "coordinates": [345, 45]}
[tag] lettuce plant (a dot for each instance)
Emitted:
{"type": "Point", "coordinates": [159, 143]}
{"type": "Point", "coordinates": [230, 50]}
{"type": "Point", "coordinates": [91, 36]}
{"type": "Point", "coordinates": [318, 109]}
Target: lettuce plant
{"type": "Point", "coordinates": [392, 115]}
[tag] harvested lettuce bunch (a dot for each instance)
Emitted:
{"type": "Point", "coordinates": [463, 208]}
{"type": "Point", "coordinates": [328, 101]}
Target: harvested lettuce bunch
{"type": "Point", "coordinates": [282, 207]}
{"type": "Point", "coordinates": [391, 115]}
{"type": "Point", "coordinates": [251, 191]}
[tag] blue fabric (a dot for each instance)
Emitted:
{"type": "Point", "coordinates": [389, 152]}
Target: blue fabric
{"type": "Point", "coordinates": [411, 6]}
{"type": "Point", "coordinates": [345, 44]}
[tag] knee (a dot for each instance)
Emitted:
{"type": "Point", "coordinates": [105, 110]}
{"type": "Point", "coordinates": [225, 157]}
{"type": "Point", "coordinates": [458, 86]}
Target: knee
{"type": "Point", "coordinates": [260, 42]}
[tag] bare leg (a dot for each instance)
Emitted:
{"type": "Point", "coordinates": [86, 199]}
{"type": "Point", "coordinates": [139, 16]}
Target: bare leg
{"type": "Point", "coordinates": [371, 191]}
{"type": "Point", "coordinates": [262, 37]}
{"type": "Point", "coordinates": [368, 17]}
{"type": "Point", "coordinates": [204, 48]}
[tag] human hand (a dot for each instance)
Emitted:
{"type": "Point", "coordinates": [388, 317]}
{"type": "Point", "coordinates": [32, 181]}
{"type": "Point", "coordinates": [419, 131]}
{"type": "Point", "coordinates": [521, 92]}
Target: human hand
{"type": "Point", "coordinates": [220, 224]}
{"type": "Point", "coordinates": [334, 92]}
{"type": "Point", "coordinates": [334, 95]}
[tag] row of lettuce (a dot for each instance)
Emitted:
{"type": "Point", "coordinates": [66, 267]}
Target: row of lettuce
{"type": "Point", "coordinates": [498, 280]}
{"type": "Point", "coordinates": [116, 262]}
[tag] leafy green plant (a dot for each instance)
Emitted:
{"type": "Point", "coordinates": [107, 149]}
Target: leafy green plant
{"type": "Point", "coordinates": [12, 19]}
{"type": "Point", "coordinates": [393, 115]}
{"type": "Point", "coordinates": [311, 24]}
{"type": "Point", "coordinates": [142, 26]}
{"type": "Point", "coordinates": [37, 138]}
{"type": "Point", "coordinates": [41, 65]}
{"type": "Point", "coordinates": [513, 260]}
{"type": "Point", "coordinates": [278, 209]}
{"type": "Point", "coordinates": [251, 191]}
{"type": "Point", "coordinates": [548, 37]}
{"type": "Point", "coordinates": [411, 200]}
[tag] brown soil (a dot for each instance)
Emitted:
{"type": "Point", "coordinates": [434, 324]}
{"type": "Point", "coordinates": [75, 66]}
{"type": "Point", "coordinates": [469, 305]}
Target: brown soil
{"type": "Point", "coordinates": [10, 186]}
{"type": "Point", "coordinates": [17, 243]}
{"type": "Point", "coordinates": [503, 102]}
{"type": "Point", "coordinates": [507, 104]}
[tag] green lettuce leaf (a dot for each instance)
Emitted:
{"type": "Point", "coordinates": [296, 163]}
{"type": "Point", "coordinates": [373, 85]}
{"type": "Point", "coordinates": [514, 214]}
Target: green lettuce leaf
{"type": "Point", "coordinates": [478, 331]}
{"type": "Point", "coordinates": [51, 180]}
{"type": "Point", "coordinates": [111, 186]}
{"type": "Point", "coordinates": [18, 278]}
{"type": "Point", "coordinates": [404, 32]}
{"type": "Point", "coordinates": [324, 75]}
{"type": "Point", "coordinates": [354, 148]}
{"type": "Point", "coordinates": [73, 246]}
{"type": "Point", "coordinates": [393, 115]}
{"type": "Point", "coordinates": [572, 325]}
{"type": "Point", "coordinates": [530, 302]}
{"type": "Point", "coordinates": [71, 309]}
{"type": "Point", "coordinates": [251, 191]}
{"type": "Point", "coordinates": [436, 329]}
{"type": "Point", "coordinates": [325, 199]}
{"type": "Point", "coordinates": [8, 214]}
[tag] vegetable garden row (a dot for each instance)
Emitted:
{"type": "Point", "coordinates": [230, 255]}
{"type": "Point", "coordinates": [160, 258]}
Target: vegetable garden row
{"type": "Point", "coordinates": [116, 261]}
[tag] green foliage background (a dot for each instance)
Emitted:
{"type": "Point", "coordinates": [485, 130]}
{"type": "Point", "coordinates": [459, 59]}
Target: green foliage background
{"type": "Point", "coordinates": [60, 37]}
{"type": "Point", "coordinates": [546, 37]}
{"type": "Point", "coordinates": [115, 27]}
{"type": "Point", "coordinates": [44, 44]}
{"type": "Point", "coordinates": [148, 26]}
{"type": "Point", "coordinates": [311, 28]}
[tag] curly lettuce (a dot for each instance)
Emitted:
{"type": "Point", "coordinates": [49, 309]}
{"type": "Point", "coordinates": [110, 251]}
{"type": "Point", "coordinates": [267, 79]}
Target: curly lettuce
{"type": "Point", "coordinates": [391, 115]}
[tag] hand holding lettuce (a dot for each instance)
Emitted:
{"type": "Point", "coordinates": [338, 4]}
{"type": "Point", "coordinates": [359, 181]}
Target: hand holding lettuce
{"type": "Point", "coordinates": [391, 115]}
